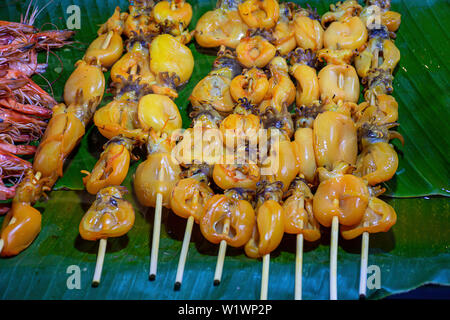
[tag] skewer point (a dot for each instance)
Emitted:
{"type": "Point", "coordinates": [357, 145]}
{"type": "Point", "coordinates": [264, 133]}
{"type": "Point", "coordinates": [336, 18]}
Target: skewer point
{"type": "Point", "coordinates": [216, 282]}
{"type": "Point", "coordinates": [177, 286]}
{"type": "Point", "coordinates": [95, 284]}
{"type": "Point", "coordinates": [152, 277]}
{"type": "Point", "coordinates": [362, 297]}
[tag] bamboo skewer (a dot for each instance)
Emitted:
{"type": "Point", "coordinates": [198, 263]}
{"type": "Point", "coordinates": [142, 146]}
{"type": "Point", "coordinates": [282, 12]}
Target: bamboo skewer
{"type": "Point", "coordinates": [99, 264]}
{"type": "Point", "coordinates": [265, 277]}
{"type": "Point", "coordinates": [299, 266]}
{"type": "Point", "coordinates": [156, 232]}
{"type": "Point", "coordinates": [333, 258]}
{"type": "Point", "coordinates": [107, 40]}
{"type": "Point", "coordinates": [184, 252]}
{"type": "Point", "coordinates": [364, 262]}
{"type": "Point", "coordinates": [1, 245]}
{"type": "Point", "coordinates": [365, 235]}
{"type": "Point", "coordinates": [222, 252]}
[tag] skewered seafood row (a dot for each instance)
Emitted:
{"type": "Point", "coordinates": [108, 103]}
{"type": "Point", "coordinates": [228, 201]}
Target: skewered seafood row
{"type": "Point", "coordinates": [25, 108]}
{"type": "Point", "coordinates": [323, 168]}
{"type": "Point", "coordinates": [83, 92]}
{"type": "Point", "coordinates": [340, 150]}
{"type": "Point", "coordinates": [145, 80]}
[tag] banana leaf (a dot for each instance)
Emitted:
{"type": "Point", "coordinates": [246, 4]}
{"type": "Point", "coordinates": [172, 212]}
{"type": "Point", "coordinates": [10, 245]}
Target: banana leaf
{"type": "Point", "coordinates": [414, 252]}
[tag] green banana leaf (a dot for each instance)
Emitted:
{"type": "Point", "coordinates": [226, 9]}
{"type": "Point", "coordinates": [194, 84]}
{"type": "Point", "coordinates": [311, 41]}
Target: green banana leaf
{"type": "Point", "coordinates": [414, 252]}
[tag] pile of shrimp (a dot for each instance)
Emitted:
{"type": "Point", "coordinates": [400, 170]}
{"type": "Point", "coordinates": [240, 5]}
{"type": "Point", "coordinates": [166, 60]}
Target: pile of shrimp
{"type": "Point", "coordinates": [24, 106]}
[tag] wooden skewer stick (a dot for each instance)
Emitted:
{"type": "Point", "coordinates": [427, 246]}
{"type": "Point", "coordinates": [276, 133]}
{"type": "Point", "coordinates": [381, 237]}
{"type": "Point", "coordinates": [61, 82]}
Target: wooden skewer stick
{"type": "Point", "coordinates": [1, 245]}
{"type": "Point", "coordinates": [265, 276]}
{"type": "Point", "coordinates": [156, 231]}
{"type": "Point", "coordinates": [364, 262]}
{"type": "Point", "coordinates": [184, 251]}
{"type": "Point", "coordinates": [299, 265]}
{"type": "Point", "coordinates": [333, 258]}
{"type": "Point", "coordinates": [99, 264]}
{"type": "Point", "coordinates": [374, 65]}
{"type": "Point", "coordinates": [107, 40]}
{"type": "Point", "coordinates": [222, 252]}
{"type": "Point", "coordinates": [375, 58]}
{"type": "Point", "coordinates": [365, 235]}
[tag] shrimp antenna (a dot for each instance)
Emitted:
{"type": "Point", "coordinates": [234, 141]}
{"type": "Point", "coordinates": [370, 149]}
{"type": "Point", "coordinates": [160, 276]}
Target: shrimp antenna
{"type": "Point", "coordinates": [22, 19]}
{"type": "Point", "coordinates": [39, 12]}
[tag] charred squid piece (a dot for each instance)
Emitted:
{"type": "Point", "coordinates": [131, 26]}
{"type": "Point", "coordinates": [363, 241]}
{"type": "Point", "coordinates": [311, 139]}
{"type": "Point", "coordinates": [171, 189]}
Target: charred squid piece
{"type": "Point", "coordinates": [299, 216]}
{"type": "Point", "coordinates": [335, 139]}
{"type": "Point", "coordinates": [344, 196]}
{"type": "Point", "coordinates": [22, 224]}
{"type": "Point", "coordinates": [108, 47]}
{"type": "Point", "coordinates": [305, 115]}
{"type": "Point", "coordinates": [158, 113]}
{"type": "Point", "coordinates": [341, 10]}
{"type": "Point", "coordinates": [159, 173]}
{"type": "Point", "coordinates": [385, 110]}
{"type": "Point", "coordinates": [134, 65]}
{"type": "Point", "coordinates": [112, 166]}
{"type": "Point", "coordinates": [173, 16]}
{"type": "Point", "coordinates": [380, 9]}
{"type": "Point", "coordinates": [109, 216]}
{"type": "Point", "coordinates": [303, 64]}
{"type": "Point", "coordinates": [222, 26]}
{"type": "Point", "coordinates": [284, 32]}
{"type": "Point", "coordinates": [377, 82]}
{"type": "Point", "coordinates": [64, 131]}
{"type": "Point", "coordinates": [378, 217]}
{"type": "Point", "coordinates": [202, 172]}
{"type": "Point", "coordinates": [229, 217]}
{"type": "Point", "coordinates": [308, 29]}
{"type": "Point", "coordinates": [380, 52]}
{"type": "Point", "coordinates": [282, 121]}
{"type": "Point", "coordinates": [346, 108]}
{"type": "Point", "coordinates": [241, 128]}
{"type": "Point", "coordinates": [115, 23]}
{"type": "Point", "coordinates": [282, 91]}
{"type": "Point", "coordinates": [259, 13]}
{"type": "Point", "coordinates": [85, 85]}
{"type": "Point", "coordinates": [214, 89]}
{"type": "Point", "coordinates": [303, 146]}
{"type": "Point", "coordinates": [270, 220]}
{"type": "Point", "coordinates": [339, 82]}
{"type": "Point", "coordinates": [171, 62]}
{"type": "Point", "coordinates": [236, 175]}
{"type": "Point", "coordinates": [347, 33]}
{"type": "Point", "coordinates": [206, 115]}
{"type": "Point", "coordinates": [251, 85]}
{"type": "Point", "coordinates": [189, 197]}
{"type": "Point", "coordinates": [378, 160]}
{"type": "Point", "coordinates": [226, 64]}
{"type": "Point", "coordinates": [339, 170]}
{"type": "Point", "coordinates": [279, 159]}
{"type": "Point", "coordinates": [140, 19]}
{"type": "Point", "coordinates": [255, 51]}
{"type": "Point", "coordinates": [336, 56]}
{"type": "Point", "coordinates": [120, 116]}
